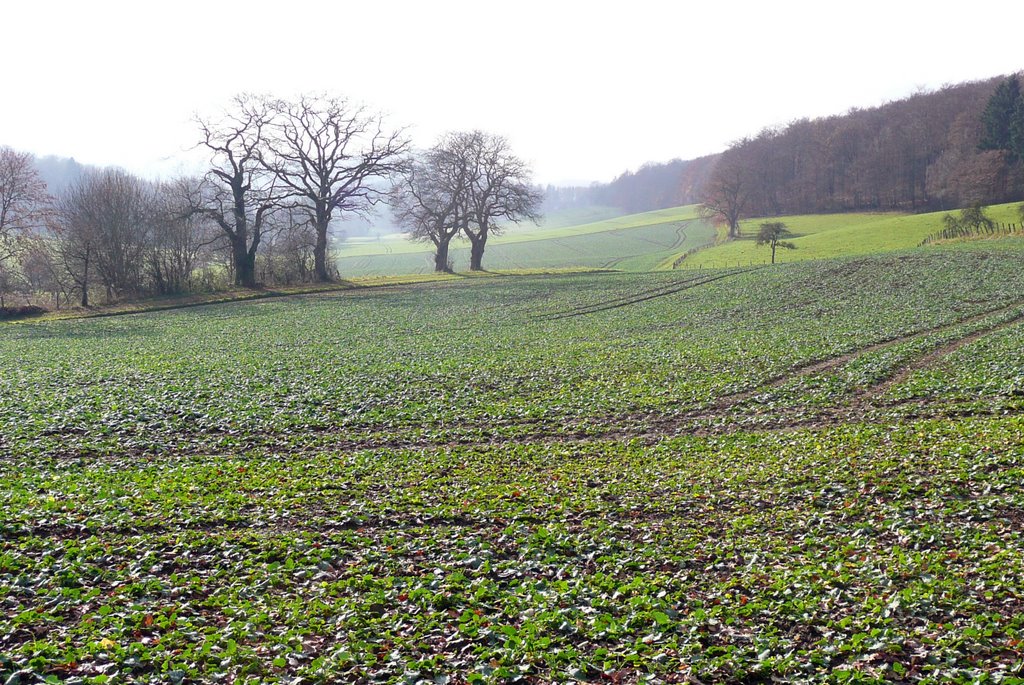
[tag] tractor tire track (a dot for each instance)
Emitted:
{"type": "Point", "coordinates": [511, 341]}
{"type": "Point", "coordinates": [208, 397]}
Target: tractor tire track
{"type": "Point", "coordinates": [643, 297]}
{"type": "Point", "coordinates": [622, 298]}
{"type": "Point", "coordinates": [934, 356]}
{"type": "Point", "coordinates": [730, 401]}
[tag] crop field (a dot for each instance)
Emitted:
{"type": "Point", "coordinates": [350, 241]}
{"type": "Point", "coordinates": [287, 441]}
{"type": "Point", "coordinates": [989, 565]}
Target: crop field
{"type": "Point", "coordinates": [819, 236]}
{"type": "Point", "coordinates": [637, 242]}
{"type": "Point", "coordinates": [810, 472]}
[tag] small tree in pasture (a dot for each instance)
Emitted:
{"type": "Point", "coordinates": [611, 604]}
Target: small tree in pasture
{"type": "Point", "coordinates": [773, 234]}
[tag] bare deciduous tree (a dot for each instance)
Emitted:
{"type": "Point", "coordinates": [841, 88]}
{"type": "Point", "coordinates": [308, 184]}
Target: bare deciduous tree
{"type": "Point", "coordinates": [335, 157]}
{"type": "Point", "coordinates": [104, 228]}
{"type": "Point", "coordinates": [287, 254]}
{"type": "Point", "coordinates": [431, 199]}
{"type": "Point", "coordinates": [726, 195]}
{"type": "Point", "coordinates": [238, 193]}
{"type": "Point", "coordinates": [178, 237]}
{"type": "Point", "coordinates": [23, 198]}
{"type": "Point", "coordinates": [498, 189]}
{"type": "Point", "coordinates": [23, 208]}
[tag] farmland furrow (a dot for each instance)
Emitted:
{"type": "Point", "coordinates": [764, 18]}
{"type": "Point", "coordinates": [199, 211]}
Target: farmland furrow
{"type": "Point", "coordinates": [812, 368]}
{"type": "Point", "coordinates": [934, 356]}
{"type": "Point", "coordinates": [643, 297]}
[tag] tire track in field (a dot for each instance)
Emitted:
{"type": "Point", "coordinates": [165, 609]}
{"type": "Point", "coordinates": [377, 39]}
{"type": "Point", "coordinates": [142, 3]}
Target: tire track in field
{"type": "Point", "coordinates": [621, 298]}
{"type": "Point", "coordinates": [680, 235]}
{"type": "Point", "coordinates": [931, 358]}
{"type": "Point", "coordinates": [652, 294]}
{"type": "Point", "coordinates": [646, 425]}
{"type": "Point", "coordinates": [732, 400]}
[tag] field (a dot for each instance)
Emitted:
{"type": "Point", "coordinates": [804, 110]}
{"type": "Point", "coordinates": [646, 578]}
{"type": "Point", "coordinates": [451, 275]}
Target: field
{"type": "Point", "coordinates": [819, 236]}
{"type": "Point", "coordinates": [810, 472]}
{"type": "Point", "coordinates": [637, 242]}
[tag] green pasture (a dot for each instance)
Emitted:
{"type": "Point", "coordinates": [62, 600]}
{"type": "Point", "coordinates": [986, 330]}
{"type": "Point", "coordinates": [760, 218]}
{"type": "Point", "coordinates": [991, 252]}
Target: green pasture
{"type": "Point", "coordinates": [822, 236]}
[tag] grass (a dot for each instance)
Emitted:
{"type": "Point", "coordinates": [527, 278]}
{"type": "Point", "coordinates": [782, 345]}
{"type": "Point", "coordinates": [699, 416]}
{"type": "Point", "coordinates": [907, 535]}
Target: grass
{"type": "Point", "coordinates": [823, 236]}
{"type": "Point", "coordinates": [639, 241]}
{"type": "Point", "coordinates": [170, 302]}
{"type": "Point", "coordinates": [809, 473]}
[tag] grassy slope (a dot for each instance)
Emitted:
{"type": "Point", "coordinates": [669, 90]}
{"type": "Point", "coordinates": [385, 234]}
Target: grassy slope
{"type": "Point", "coordinates": [832, 235]}
{"type": "Point", "coordinates": [635, 242]}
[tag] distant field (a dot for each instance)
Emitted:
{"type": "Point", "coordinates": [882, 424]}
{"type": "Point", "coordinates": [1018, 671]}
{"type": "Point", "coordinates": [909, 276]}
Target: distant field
{"type": "Point", "coordinates": [574, 217]}
{"type": "Point", "coordinates": [637, 242]}
{"type": "Point", "coordinates": [820, 236]}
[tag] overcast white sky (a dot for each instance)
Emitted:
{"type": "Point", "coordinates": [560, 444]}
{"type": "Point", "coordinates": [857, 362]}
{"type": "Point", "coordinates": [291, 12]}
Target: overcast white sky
{"type": "Point", "coordinates": [584, 90]}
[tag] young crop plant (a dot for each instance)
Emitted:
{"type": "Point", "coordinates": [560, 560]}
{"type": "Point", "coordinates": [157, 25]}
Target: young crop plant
{"type": "Point", "coordinates": [585, 477]}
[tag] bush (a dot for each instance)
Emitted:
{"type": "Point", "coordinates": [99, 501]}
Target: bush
{"type": "Point", "coordinates": [23, 312]}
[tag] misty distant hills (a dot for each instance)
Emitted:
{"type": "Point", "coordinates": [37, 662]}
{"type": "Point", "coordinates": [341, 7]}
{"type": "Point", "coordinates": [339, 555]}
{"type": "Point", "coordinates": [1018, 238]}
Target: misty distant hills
{"type": "Point", "coordinates": [59, 173]}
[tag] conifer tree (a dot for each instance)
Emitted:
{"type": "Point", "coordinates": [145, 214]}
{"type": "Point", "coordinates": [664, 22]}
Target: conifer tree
{"type": "Point", "coordinates": [998, 118]}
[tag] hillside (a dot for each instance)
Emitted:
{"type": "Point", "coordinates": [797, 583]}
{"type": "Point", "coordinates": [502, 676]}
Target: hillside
{"type": "Point", "coordinates": [823, 236]}
{"type": "Point", "coordinates": [636, 242]}
{"type": "Point", "coordinates": [922, 152]}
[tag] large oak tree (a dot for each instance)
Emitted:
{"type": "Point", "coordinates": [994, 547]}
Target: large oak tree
{"type": "Point", "coordinates": [431, 199]}
{"type": "Point", "coordinates": [499, 190]}
{"type": "Point", "coordinates": [334, 157]}
{"type": "Point", "coordinates": [238, 193]}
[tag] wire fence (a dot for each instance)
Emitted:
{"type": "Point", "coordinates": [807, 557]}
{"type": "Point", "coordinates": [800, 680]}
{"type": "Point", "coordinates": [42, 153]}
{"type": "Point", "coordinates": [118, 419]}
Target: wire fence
{"type": "Point", "coordinates": [991, 229]}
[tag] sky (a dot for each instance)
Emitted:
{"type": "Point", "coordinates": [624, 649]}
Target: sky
{"type": "Point", "coordinates": [582, 90]}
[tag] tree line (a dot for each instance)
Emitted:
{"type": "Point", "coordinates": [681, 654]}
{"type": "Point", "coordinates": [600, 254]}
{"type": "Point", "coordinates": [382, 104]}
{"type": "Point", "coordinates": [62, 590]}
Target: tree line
{"type": "Point", "coordinates": [280, 171]}
{"type": "Point", "coordinates": [652, 186]}
{"type": "Point", "coordinates": [931, 151]}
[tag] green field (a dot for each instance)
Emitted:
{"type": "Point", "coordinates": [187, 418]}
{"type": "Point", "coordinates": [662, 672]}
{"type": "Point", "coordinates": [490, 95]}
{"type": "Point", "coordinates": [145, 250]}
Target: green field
{"type": "Point", "coordinates": [821, 236]}
{"type": "Point", "coordinates": [803, 473]}
{"type": "Point", "coordinates": [637, 242]}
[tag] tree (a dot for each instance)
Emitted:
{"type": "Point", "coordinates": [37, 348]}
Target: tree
{"type": "Point", "coordinates": [335, 157]}
{"type": "Point", "coordinates": [772, 233]}
{"type": "Point", "coordinates": [971, 221]}
{"type": "Point", "coordinates": [104, 227]}
{"type": "Point", "coordinates": [238, 193]}
{"type": "Point", "coordinates": [998, 118]}
{"type": "Point", "coordinates": [178, 237]}
{"type": "Point", "coordinates": [288, 248]}
{"type": "Point", "coordinates": [1017, 131]}
{"type": "Point", "coordinates": [431, 199]}
{"type": "Point", "coordinates": [727, 194]}
{"type": "Point", "coordinates": [23, 199]}
{"type": "Point", "coordinates": [498, 189]}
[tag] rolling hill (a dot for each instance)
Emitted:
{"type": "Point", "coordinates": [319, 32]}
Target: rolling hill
{"type": "Point", "coordinates": [636, 242]}
{"type": "Point", "coordinates": [821, 236]}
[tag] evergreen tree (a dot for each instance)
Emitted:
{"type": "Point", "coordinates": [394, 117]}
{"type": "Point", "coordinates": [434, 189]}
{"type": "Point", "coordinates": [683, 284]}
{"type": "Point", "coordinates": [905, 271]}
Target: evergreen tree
{"type": "Point", "coordinates": [998, 117]}
{"type": "Point", "coordinates": [1017, 130]}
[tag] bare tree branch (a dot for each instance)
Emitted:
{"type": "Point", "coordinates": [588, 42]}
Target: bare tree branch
{"type": "Point", "coordinates": [335, 157]}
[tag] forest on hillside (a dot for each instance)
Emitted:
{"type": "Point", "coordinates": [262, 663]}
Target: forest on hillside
{"type": "Point", "coordinates": [652, 186]}
{"type": "Point", "coordinates": [924, 152]}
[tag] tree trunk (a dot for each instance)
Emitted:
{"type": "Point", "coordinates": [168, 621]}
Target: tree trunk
{"type": "Point", "coordinates": [245, 264]}
{"type": "Point", "coordinates": [734, 228]}
{"type": "Point", "coordinates": [85, 279]}
{"type": "Point", "coordinates": [441, 258]}
{"type": "Point", "coordinates": [476, 254]}
{"type": "Point", "coordinates": [320, 270]}
{"type": "Point", "coordinates": [773, 253]}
